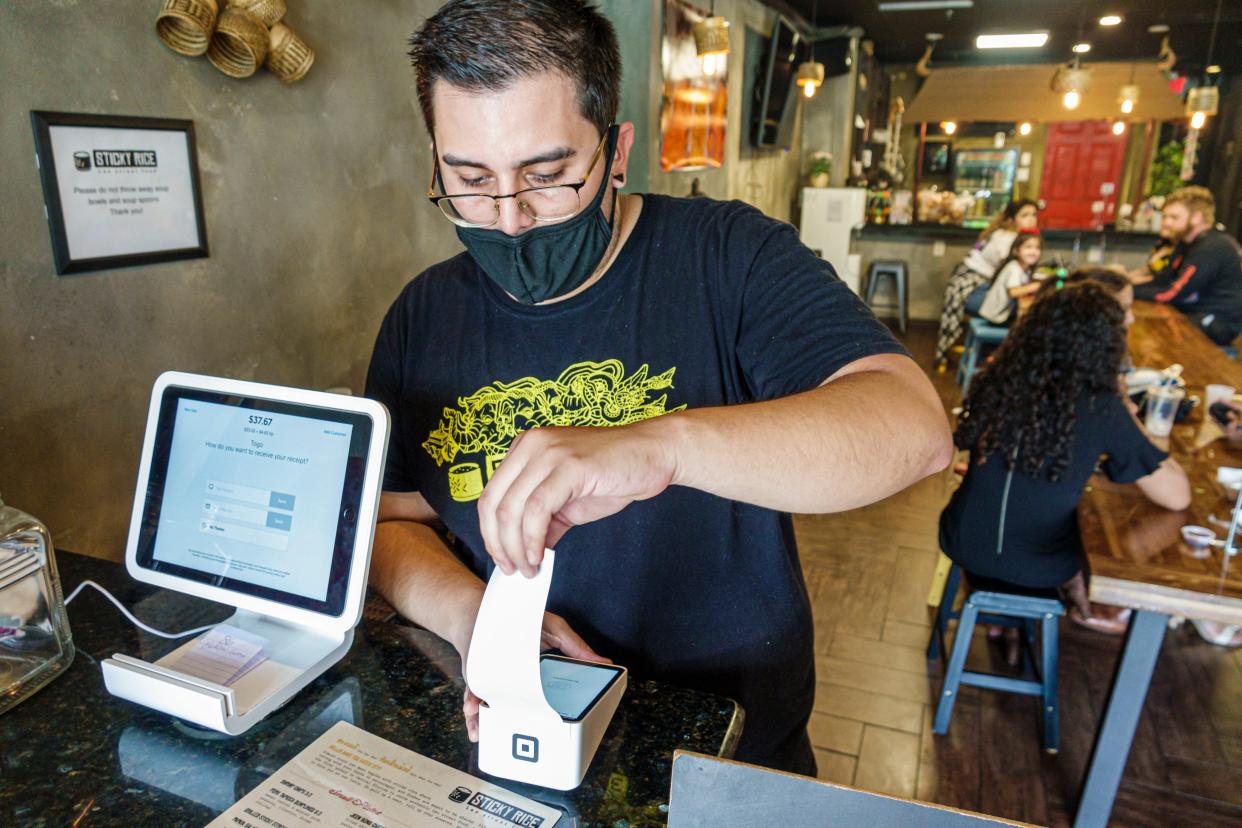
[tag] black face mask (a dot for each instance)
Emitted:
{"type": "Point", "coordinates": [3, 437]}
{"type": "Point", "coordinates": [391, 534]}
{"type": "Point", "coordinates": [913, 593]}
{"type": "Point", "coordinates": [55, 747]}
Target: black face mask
{"type": "Point", "coordinates": [546, 262]}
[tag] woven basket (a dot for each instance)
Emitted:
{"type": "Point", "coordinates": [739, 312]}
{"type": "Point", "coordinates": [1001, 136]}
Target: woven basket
{"type": "Point", "coordinates": [288, 56]}
{"type": "Point", "coordinates": [239, 45]}
{"type": "Point", "coordinates": [185, 25]}
{"type": "Point", "coordinates": [269, 12]}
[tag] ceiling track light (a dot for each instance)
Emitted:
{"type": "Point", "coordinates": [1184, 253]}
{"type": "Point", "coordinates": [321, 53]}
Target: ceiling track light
{"type": "Point", "coordinates": [1110, 20]}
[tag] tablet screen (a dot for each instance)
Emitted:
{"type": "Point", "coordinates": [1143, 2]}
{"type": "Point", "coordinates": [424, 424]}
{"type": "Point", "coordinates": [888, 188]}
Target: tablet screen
{"type": "Point", "coordinates": [258, 496]}
{"type": "Point", "coordinates": [571, 687]}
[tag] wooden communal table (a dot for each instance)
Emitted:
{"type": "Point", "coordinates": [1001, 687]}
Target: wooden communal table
{"type": "Point", "coordinates": [1136, 554]}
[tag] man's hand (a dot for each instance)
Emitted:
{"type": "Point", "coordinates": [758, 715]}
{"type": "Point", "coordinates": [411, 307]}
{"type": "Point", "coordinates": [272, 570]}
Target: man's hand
{"type": "Point", "coordinates": [556, 478]}
{"type": "Point", "coordinates": [557, 635]}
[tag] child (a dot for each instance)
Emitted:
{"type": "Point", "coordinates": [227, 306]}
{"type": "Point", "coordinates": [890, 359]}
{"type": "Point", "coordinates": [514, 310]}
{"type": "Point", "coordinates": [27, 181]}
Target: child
{"type": "Point", "coordinates": [1013, 280]}
{"type": "Point", "coordinates": [979, 266]}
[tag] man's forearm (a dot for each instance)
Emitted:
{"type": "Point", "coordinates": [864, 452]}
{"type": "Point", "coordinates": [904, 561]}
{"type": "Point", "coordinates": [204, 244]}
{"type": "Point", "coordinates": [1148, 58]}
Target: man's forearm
{"type": "Point", "coordinates": [850, 442]}
{"type": "Point", "coordinates": [424, 581]}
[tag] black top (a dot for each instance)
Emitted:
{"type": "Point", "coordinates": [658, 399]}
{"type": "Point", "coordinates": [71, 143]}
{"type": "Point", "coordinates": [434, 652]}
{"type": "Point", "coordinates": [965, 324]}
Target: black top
{"type": "Point", "coordinates": [1037, 544]}
{"type": "Point", "coordinates": [1204, 281]}
{"type": "Point", "coordinates": [708, 303]}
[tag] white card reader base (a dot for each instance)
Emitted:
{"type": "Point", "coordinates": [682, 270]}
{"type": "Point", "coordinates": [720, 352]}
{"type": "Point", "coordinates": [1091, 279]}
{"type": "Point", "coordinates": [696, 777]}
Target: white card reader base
{"type": "Point", "coordinates": [296, 656]}
{"type": "Point", "coordinates": [521, 737]}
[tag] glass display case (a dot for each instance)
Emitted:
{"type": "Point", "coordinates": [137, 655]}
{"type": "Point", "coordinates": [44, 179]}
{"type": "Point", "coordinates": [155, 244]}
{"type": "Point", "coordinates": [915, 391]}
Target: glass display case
{"type": "Point", "coordinates": [988, 175]}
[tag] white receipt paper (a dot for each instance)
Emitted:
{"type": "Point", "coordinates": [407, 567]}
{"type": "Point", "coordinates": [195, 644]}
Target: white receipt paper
{"type": "Point", "coordinates": [502, 667]}
{"type": "Point", "coordinates": [223, 655]}
{"type": "Point", "coordinates": [348, 777]}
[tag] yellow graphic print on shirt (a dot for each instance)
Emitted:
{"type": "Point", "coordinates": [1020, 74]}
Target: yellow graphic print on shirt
{"type": "Point", "coordinates": [585, 394]}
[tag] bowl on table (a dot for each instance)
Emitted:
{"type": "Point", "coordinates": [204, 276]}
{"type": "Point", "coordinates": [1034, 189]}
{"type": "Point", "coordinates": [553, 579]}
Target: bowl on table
{"type": "Point", "coordinates": [1198, 540]}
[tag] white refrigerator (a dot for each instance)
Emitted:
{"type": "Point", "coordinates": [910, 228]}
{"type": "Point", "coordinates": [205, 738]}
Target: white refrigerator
{"type": "Point", "coordinates": [830, 215]}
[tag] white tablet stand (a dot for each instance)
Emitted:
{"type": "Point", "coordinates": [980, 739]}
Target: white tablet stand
{"type": "Point", "coordinates": [301, 643]}
{"type": "Point", "coordinates": [521, 737]}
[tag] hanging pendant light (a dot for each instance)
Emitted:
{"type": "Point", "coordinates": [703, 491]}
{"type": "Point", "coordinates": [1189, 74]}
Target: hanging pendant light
{"type": "Point", "coordinates": [1204, 101]}
{"type": "Point", "coordinates": [810, 72]}
{"type": "Point", "coordinates": [810, 77]}
{"type": "Point", "coordinates": [1071, 80]}
{"type": "Point", "coordinates": [1128, 95]}
{"type": "Point", "coordinates": [711, 40]}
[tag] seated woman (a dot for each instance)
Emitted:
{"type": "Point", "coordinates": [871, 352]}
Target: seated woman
{"type": "Point", "coordinates": [1013, 282]}
{"type": "Point", "coordinates": [979, 267]}
{"type": "Point", "coordinates": [1037, 421]}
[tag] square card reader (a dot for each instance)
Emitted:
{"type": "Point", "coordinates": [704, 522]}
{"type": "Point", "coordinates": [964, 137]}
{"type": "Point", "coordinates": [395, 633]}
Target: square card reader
{"type": "Point", "coordinates": [262, 498]}
{"type": "Point", "coordinates": [542, 719]}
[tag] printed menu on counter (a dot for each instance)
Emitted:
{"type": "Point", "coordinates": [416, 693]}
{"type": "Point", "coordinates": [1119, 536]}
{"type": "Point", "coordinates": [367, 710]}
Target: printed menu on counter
{"type": "Point", "coordinates": [348, 777]}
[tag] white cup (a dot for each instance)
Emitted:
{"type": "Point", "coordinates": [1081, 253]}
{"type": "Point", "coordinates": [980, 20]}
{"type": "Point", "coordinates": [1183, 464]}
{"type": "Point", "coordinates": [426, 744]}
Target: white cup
{"type": "Point", "coordinates": [1162, 404]}
{"type": "Point", "coordinates": [1218, 393]}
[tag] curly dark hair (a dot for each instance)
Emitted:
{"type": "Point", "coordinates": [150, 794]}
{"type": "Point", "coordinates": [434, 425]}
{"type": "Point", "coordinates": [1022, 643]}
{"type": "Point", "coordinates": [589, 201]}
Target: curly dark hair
{"type": "Point", "coordinates": [1022, 404]}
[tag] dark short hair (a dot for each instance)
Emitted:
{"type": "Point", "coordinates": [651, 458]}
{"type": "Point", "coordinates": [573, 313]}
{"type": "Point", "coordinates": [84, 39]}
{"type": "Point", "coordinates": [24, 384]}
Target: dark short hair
{"type": "Point", "coordinates": [484, 45]}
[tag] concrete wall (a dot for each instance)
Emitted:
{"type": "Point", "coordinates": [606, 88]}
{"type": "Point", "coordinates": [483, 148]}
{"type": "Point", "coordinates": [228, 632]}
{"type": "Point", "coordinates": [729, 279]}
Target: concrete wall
{"type": "Point", "coordinates": [315, 218]}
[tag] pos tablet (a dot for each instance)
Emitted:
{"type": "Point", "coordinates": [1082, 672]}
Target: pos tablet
{"type": "Point", "coordinates": [263, 498]}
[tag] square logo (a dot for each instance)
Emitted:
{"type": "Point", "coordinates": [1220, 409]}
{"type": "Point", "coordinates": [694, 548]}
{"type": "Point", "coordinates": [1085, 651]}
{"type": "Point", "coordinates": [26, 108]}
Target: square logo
{"type": "Point", "coordinates": [460, 794]}
{"type": "Point", "coordinates": [525, 748]}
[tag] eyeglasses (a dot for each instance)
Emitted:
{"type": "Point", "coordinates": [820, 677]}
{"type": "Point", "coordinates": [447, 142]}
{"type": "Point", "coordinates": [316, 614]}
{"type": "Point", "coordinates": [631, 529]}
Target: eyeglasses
{"type": "Point", "coordinates": [552, 203]}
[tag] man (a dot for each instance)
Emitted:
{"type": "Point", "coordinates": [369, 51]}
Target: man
{"type": "Point", "coordinates": [664, 380]}
{"type": "Point", "coordinates": [1204, 275]}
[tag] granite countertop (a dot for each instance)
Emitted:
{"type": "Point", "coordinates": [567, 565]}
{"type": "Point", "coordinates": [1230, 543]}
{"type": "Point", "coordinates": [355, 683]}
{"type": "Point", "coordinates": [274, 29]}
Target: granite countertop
{"type": "Point", "coordinates": [73, 754]}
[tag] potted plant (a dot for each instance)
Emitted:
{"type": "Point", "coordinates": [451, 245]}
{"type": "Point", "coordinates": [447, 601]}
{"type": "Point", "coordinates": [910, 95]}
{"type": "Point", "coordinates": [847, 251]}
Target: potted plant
{"type": "Point", "coordinates": [820, 171]}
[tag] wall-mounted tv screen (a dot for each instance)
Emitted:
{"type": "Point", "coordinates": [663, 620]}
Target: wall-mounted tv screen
{"type": "Point", "coordinates": [772, 109]}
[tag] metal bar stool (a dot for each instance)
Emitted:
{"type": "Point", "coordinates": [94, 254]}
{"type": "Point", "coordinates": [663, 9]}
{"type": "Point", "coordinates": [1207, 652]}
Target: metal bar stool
{"type": "Point", "coordinates": [978, 334]}
{"type": "Point", "coordinates": [1022, 611]}
{"type": "Point", "coordinates": [896, 270]}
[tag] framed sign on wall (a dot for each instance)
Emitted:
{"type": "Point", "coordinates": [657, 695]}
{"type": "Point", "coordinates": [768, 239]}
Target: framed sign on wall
{"type": "Point", "coordinates": [119, 191]}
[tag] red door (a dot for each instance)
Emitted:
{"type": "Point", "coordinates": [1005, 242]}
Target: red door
{"type": "Point", "coordinates": [1082, 175]}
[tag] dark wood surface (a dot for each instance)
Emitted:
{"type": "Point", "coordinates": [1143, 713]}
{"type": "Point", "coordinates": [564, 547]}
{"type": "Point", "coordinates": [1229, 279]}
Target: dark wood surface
{"type": "Point", "coordinates": [1134, 548]}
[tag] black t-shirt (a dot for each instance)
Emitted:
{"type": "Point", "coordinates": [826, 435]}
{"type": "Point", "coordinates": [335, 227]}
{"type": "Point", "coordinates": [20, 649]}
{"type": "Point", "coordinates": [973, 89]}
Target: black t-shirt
{"type": "Point", "coordinates": [1038, 544]}
{"type": "Point", "coordinates": [708, 303]}
{"type": "Point", "coordinates": [1203, 280]}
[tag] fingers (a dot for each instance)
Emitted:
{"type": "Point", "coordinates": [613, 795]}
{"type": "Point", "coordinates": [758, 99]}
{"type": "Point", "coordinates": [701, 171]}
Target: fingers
{"type": "Point", "coordinates": [493, 495]}
{"type": "Point", "coordinates": [470, 710]}
{"type": "Point", "coordinates": [558, 635]}
{"type": "Point", "coordinates": [528, 488]}
{"type": "Point", "coordinates": [538, 513]}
